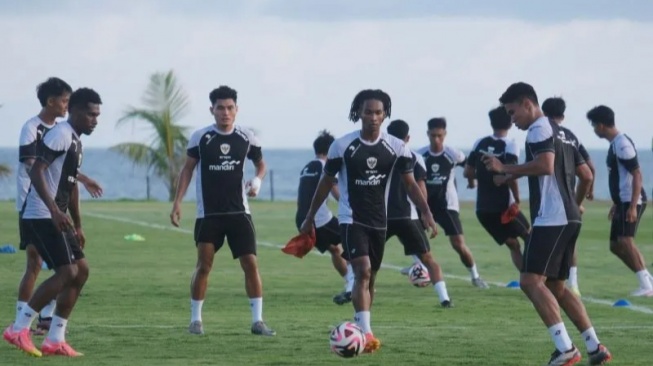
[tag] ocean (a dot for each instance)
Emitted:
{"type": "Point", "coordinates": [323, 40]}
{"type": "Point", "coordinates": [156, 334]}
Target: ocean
{"type": "Point", "coordinates": [122, 180]}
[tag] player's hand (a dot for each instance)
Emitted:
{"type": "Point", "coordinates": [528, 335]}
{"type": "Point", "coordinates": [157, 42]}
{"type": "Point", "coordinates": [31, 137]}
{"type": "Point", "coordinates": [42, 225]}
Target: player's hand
{"type": "Point", "coordinates": [253, 186]}
{"type": "Point", "coordinates": [175, 215]}
{"type": "Point", "coordinates": [471, 184]}
{"type": "Point", "coordinates": [307, 226]}
{"type": "Point", "coordinates": [93, 188]}
{"type": "Point", "coordinates": [581, 208]}
{"type": "Point", "coordinates": [429, 223]}
{"type": "Point", "coordinates": [590, 195]}
{"type": "Point", "coordinates": [611, 212]}
{"type": "Point", "coordinates": [81, 238]}
{"type": "Point", "coordinates": [492, 164]}
{"type": "Point", "coordinates": [499, 180]}
{"type": "Point", "coordinates": [61, 221]}
{"type": "Point", "coordinates": [631, 214]}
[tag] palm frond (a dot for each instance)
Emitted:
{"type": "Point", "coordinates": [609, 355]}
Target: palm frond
{"type": "Point", "coordinates": [5, 171]}
{"type": "Point", "coordinates": [139, 154]}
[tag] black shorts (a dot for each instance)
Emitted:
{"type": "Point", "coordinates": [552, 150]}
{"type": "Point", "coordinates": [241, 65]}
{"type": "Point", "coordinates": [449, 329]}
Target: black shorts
{"type": "Point", "coordinates": [327, 235]}
{"type": "Point", "coordinates": [359, 241]}
{"type": "Point", "coordinates": [22, 236]}
{"type": "Point", "coordinates": [449, 220]}
{"type": "Point", "coordinates": [411, 235]}
{"type": "Point", "coordinates": [550, 249]}
{"type": "Point", "coordinates": [491, 221]}
{"type": "Point", "coordinates": [237, 228]}
{"type": "Point", "coordinates": [56, 248]}
{"type": "Point", "coordinates": [620, 227]}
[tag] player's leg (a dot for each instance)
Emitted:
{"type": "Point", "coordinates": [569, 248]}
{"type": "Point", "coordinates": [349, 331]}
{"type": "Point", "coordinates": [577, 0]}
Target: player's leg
{"type": "Point", "coordinates": [505, 233]}
{"type": "Point", "coordinates": [376, 242]}
{"type": "Point", "coordinates": [241, 237]}
{"type": "Point", "coordinates": [453, 228]}
{"type": "Point", "coordinates": [541, 259]}
{"type": "Point", "coordinates": [572, 305]}
{"type": "Point", "coordinates": [572, 281]}
{"type": "Point", "coordinates": [327, 238]}
{"type": "Point", "coordinates": [32, 270]}
{"type": "Point", "coordinates": [515, 252]}
{"type": "Point", "coordinates": [208, 239]}
{"type": "Point", "coordinates": [622, 244]}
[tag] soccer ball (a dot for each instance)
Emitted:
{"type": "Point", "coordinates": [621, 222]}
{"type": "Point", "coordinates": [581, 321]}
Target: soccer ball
{"type": "Point", "coordinates": [347, 340]}
{"type": "Point", "coordinates": [418, 275]}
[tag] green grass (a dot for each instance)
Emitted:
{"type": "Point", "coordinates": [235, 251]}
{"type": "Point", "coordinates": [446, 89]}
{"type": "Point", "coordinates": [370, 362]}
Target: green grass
{"type": "Point", "coordinates": [135, 307]}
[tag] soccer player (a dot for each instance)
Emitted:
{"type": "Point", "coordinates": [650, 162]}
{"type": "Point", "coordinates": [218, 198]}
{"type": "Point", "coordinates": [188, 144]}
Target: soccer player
{"type": "Point", "coordinates": [550, 165]}
{"type": "Point", "coordinates": [554, 109]}
{"type": "Point", "coordinates": [53, 95]}
{"type": "Point", "coordinates": [403, 216]}
{"type": "Point", "coordinates": [327, 231]}
{"type": "Point", "coordinates": [493, 200]}
{"type": "Point", "coordinates": [364, 161]}
{"type": "Point", "coordinates": [217, 154]}
{"type": "Point", "coordinates": [628, 195]}
{"type": "Point", "coordinates": [58, 239]}
{"type": "Point", "coordinates": [440, 162]}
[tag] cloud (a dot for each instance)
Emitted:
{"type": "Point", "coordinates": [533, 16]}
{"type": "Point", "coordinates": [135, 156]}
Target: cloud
{"type": "Point", "coordinates": [296, 77]}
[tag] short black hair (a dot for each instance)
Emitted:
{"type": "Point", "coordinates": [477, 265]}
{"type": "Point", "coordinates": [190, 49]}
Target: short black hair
{"type": "Point", "coordinates": [369, 94]}
{"type": "Point", "coordinates": [323, 142]}
{"type": "Point", "coordinates": [437, 122]}
{"type": "Point", "coordinates": [499, 119]}
{"type": "Point", "coordinates": [554, 107]}
{"type": "Point", "coordinates": [52, 88]}
{"type": "Point", "coordinates": [398, 128]}
{"type": "Point", "coordinates": [518, 92]}
{"type": "Point", "coordinates": [223, 92]}
{"type": "Point", "coordinates": [81, 98]}
{"type": "Point", "coordinates": [601, 115]}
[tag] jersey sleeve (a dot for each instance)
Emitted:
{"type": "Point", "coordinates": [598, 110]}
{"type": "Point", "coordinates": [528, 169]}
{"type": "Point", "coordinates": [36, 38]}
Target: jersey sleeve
{"type": "Point", "coordinates": [419, 171]}
{"type": "Point", "coordinates": [27, 142]}
{"type": "Point", "coordinates": [193, 148]}
{"type": "Point", "coordinates": [334, 159]}
{"type": "Point", "coordinates": [539, 139]}
{"type": "Point", "coordinates": [626, 154]}
{"type": "Point", "coordinates": [53, 145]}
{"type": "Point", "coordinates": [473, 155]}
{"type": "Point", "coordinates": [512, 152]}
{"type": "Point", "coordinates": [457, 156]}
{"type": "Point", "coordinates": [255, 153]}
{"type": "Point", "coordinates": [404, 163]}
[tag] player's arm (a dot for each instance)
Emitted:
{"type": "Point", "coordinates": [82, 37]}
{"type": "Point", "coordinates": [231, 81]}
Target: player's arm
{"type": "Point", "coordinates": [328, 179]}
{"type": "Point", "coordinates": [335, 191]}
{"type": "Point", "coordinates": [419, 173]}
{"type": "Point", "coordinates": [255, 154]}
{"type": "Point", "coordinates": [627, 157]}
{"type": "Point", "coordinates": [76, 215]}
{"type": "Point", "coordinates": [631, 216]}
{"type": "Point", "coordinates": [590, 164]}
{"type": "Point", "coordinates": [183, 181]}
{"type": "Point", "coordinates": [27, 146]}
{"type": "Point", "coordinates": [93, 187]}
{"type": "Point", "coordinates": [585, 178]}
{"type": "Point", "coordinates": [416, 195]}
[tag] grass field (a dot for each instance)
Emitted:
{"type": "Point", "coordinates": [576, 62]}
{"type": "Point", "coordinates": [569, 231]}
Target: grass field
{"type": "Point", "coordinates": [135, 307]}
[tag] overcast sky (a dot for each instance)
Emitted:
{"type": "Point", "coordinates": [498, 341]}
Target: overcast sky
{"type": "Point", "coordinates": [298, 64]}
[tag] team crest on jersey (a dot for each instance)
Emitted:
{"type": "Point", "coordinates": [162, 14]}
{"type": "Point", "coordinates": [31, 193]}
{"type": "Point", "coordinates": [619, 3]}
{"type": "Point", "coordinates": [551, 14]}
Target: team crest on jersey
{"type": "Point", "coordinates": [224, 148]}
{"type": "Point", "coordinates": [371, 162]}
{"type": "Point", "coordinates": [435, 168]}
{"type": "Point", "coordinates": [490, 149]}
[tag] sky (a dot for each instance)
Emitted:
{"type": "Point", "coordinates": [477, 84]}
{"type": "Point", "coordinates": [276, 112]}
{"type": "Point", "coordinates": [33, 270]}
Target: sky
{"type": "Point", "coordinates": [297, 64]}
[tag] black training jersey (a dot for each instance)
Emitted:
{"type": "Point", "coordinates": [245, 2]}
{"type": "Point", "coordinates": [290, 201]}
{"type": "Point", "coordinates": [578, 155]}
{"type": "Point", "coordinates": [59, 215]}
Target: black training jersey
{"type": "Point", "coordinates": [552, 198]}
{"type": "Point", "coordinates": [622, 161]}
{"type": "Point", "coordinates": [489, 196]}
{"type": "Point", "coordinates": [364, 170]}
{"type": "Point", "coordinates": [309, 178]}
{"type": "Point", "coordinates": [61, 149]}
{"type": "Point", "coordinates": [440, 177]}
{"type": "Point", "coordinates": [400, 206]}
{"type": "Point", "coordinates": [219, 174]}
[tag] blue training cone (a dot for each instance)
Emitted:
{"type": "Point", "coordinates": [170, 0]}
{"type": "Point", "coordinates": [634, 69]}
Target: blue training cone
{"type": "Point", "coordinates": [621, 303]}
{"type": "Point", "coordinates": [513, 284]}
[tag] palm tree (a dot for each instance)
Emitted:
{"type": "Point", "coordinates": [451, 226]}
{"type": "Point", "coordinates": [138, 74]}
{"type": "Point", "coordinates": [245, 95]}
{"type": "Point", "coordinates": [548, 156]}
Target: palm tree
{"type": "Point", "coordinates": [5, 171]}
{"type": "Point", "coordinates": [165, 104]}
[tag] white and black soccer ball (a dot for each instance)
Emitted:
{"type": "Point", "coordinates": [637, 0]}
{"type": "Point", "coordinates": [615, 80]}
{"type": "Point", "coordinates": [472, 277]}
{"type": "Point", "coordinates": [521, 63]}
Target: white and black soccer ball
{"type": "Point", "coordinates": [347, 340]}
{"type": "Point", "coordinates": [418, 275]}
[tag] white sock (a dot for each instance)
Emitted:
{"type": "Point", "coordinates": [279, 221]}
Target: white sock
{"type": "Point", "coordinates": [349, 278]}
{"type": "Point", "coordinates": [416, 259]}
{"type": "Point", "coordinates": [57, 331]}
{"type": "Point", "coordinates": [591, 340]}
{"type": "Point", "coordinates": [362, 318]}
{"type": "Point", "coordinates": [48, 310]}
{"type": "Point", "coordinates": [441, 289]}
{"type": "Point", "coordinates": [474, 271]}
{"type": "Point", "coordinates": [196, 310]}
{"type": "Point", "coordinates": [644, 279]}
{"type": "Point", "coordinates": [560, 337]}
{"type": "Point", "coordinates": [20, 305]}
{"type": "Point", "coordinates": [257, 309]}
{"type": "Point", "coordinates": [573, 276]}
{"type": "Point", "coordinates": [24, 319]}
